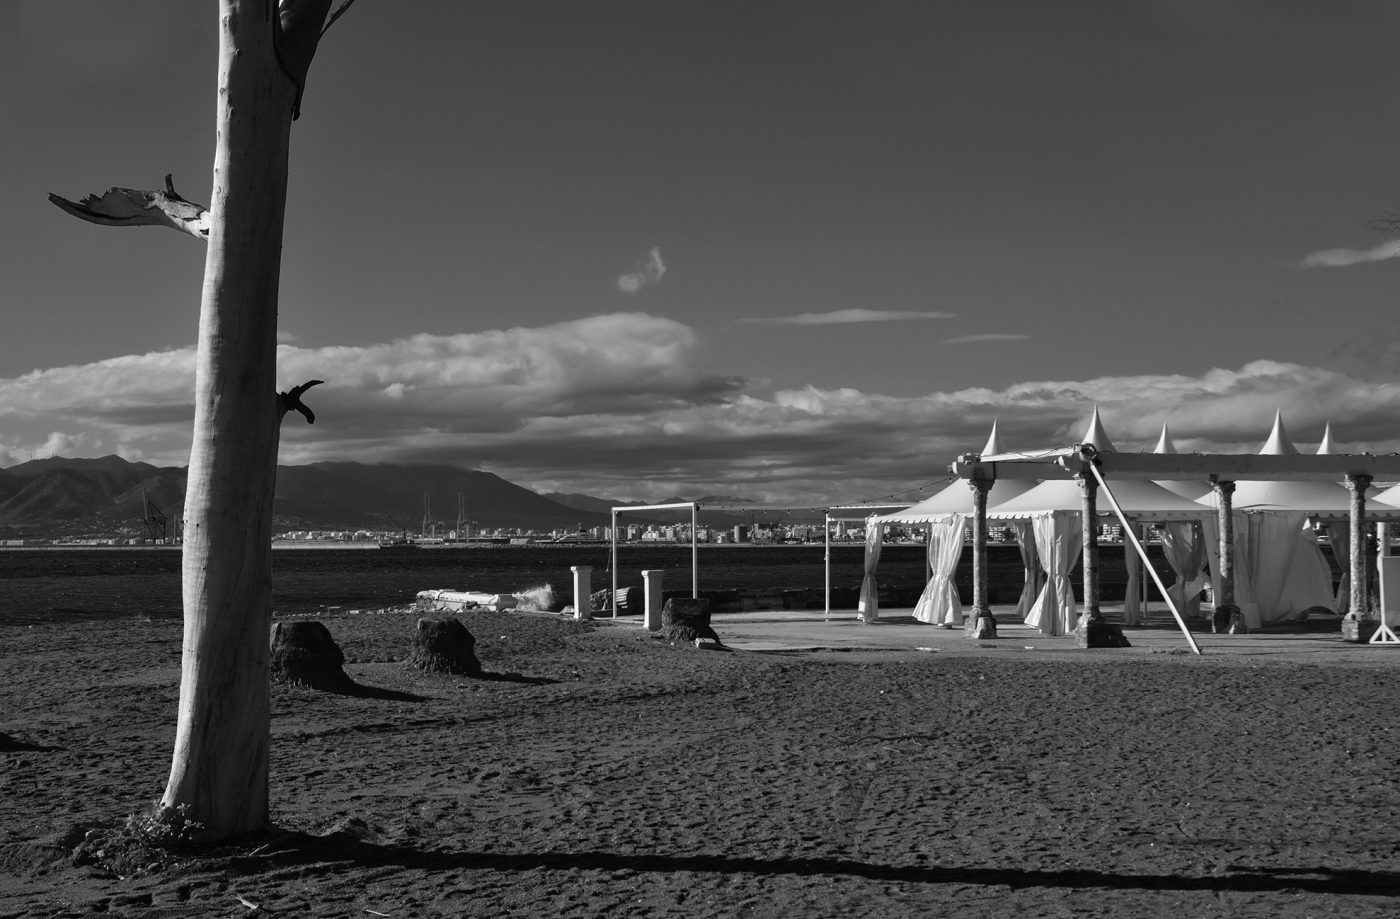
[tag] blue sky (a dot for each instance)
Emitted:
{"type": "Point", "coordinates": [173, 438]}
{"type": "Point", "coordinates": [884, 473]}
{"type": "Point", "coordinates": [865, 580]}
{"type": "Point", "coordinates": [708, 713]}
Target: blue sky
{"type": "Point", "coordinates": [784, 250]}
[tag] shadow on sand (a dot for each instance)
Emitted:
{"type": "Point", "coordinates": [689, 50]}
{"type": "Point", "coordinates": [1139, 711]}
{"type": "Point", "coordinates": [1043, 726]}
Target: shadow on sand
{"type": "Point", "coordinates": [329, 854]}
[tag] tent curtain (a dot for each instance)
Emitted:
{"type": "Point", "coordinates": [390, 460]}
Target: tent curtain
{"type": "Point", "coordinates": [1025, 538]}
{"type": "Point", "coordinates": [1184, 545]}
{"type": "Point", "coordinates": [1132, 593]}
{"type": "Point", "coordinates": [1285, 567]}
{"type": "Point", "coordinates": [1340, 537]}
{"type": "Point", "coordinates": [870, 591]}
{"type": "Point", "coordinates": [1058, 541]}
{"type": "Point", "coordinates": [1244, 588]}
{"type": "Point", "coordinates": [939, 604]}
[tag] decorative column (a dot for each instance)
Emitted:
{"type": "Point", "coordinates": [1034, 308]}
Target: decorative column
{"type": "Point", "coordinates": [981, 624]}
{"type": "Point", "coordinates": [651, 590]}
{"type": "Point", "coordinates": [583, 592]}
{"type": "Point", "coordinates": [1092, 630]}
{"type": "Point", "coordinates": [1227, 616]}
{"type": "Point", "coordinates": [1358, 625]}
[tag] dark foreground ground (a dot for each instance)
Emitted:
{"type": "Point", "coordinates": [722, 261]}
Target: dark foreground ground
{"type": "Point", "coordinates": [615, 775]}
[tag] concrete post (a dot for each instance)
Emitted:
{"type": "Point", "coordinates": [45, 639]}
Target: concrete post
{"type": "Point", "coordinates": [583, 591]}
{"type": "Point", "coordinates": [1358, 625]}
{"type": "Point", "coordinates": [1227, 616]}
{"type": "Point", "coordinates": [980, 623]}
{"type": "Point", "coordinates": [651, 588]}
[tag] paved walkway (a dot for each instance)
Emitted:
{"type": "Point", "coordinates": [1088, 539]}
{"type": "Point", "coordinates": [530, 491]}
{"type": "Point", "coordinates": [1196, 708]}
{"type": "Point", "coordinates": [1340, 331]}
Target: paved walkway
{"type": "Point", "coordinates": [897, 630]}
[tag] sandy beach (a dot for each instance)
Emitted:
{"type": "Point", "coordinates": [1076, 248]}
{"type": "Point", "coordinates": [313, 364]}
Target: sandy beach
{"type": "Point", "coordinates": [599, 771]}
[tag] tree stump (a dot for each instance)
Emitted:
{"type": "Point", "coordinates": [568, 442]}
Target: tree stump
{"type": "Point", "coordinates": [687, 620]}
{"type": "Point", "coordinates": [305, 654]}
{"type": "Point", "coordinates": [445, 646]}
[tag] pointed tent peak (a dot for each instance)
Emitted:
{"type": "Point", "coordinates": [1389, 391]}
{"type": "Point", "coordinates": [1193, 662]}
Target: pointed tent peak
{"type": "Point", "coordinates": [993, 446]}
{"type": "Point", "coordinates": [1097, 436]}
{"type": "Point", "coordinates": [1327, 447]}
{"type": "Point", "coordinates": [1164, 443]}
{"type": "Point", "coordinates": [1279, 444]}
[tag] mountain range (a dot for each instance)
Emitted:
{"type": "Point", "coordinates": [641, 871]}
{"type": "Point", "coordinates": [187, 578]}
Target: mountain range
{"type": "Point", "coordinates": [66, 497]}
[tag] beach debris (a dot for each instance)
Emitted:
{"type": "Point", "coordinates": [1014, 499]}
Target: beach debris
{"type": "Point", "coordinates": [444, 600]}
{"type": "Point", "coordinates": [629, 600]}
{"type": "Point", "coordinates": [304, 653]}
{"type": "Point", "coordinates": [445, 646]}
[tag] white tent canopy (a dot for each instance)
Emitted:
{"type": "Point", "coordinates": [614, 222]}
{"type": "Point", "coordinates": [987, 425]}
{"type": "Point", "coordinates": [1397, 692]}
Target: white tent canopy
{"type": "Point", "coordinates": [947, 513]}
{"type": "Point", "coordinates": [1054, 509]}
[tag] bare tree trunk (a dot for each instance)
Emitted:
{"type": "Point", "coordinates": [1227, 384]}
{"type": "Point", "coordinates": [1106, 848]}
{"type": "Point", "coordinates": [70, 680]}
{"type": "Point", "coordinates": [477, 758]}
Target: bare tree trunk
{"type": "Point", "coordinates": [219, 775]}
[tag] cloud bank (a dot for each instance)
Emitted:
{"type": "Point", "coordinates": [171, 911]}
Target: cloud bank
{"type": "Point", "coordinates": [623, 406]}
{"type": "Point", "coordinates": [648, 273]}
{"type": "Point", "coordinates": [1344, 258]}
{"type": "Point", "coordinates": [840, 317]}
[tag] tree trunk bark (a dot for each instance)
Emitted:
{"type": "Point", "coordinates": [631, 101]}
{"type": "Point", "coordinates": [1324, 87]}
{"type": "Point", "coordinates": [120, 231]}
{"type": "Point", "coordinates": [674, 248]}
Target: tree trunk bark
{"type": "Point", "coordinates": [219, 774]}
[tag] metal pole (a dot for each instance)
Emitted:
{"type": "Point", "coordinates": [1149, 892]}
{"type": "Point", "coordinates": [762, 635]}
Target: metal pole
{"type": "Point", "coordinates": [614, 563]}
{"type": "Point", "coordinates": [694, 556]}
{"type": "Point", "coordinates": [826, 563]}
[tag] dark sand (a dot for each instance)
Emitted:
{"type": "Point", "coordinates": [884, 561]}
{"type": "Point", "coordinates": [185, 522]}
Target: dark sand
{"type": "Point", "coordinates": [619, 776]}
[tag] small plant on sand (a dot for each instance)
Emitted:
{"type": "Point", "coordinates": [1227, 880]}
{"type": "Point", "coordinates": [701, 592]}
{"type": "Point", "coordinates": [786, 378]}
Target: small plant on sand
{"type": "Point", "coordinates": [536, 598]}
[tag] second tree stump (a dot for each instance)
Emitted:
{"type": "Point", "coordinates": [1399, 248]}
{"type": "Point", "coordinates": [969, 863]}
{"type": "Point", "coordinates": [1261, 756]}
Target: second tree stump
{"type": "Point", "coordinates": [445, 646]}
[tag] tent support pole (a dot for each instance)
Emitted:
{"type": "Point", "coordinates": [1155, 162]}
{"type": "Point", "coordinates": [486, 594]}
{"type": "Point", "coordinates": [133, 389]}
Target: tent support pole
{"type": "Point", "coordinates": [1227, 616]}
{"type": "Point", "coordinates": [1356, 624]}
{"type": "Point", "coordinates": [1130, 534]}
{"type": "Point", "coordinates": [981, 624]}
{"type": "Point", "coordinates": [826, 562]}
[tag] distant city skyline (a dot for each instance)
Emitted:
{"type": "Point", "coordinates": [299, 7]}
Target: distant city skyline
{"type": "Point", "coordinates": [797, 251]}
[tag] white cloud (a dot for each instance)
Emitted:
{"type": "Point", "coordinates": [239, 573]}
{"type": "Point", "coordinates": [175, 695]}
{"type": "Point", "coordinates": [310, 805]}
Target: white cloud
{"type": "Point", "coordinates": [648, 273]}
{"type": "Point", "coordinates": [989, 336]}
{"type": "Point", "coordinates": [841, 317]}
{"type": "Point", "coordinates": [1344, 258]}
{"type": "Point", "coordinates": [621, 405]}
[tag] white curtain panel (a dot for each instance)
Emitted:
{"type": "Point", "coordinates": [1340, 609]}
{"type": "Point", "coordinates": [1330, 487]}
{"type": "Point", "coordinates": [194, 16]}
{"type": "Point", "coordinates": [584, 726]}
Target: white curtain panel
{"type": "Point", "coordinates": [939, 604]}
{"type": "Point", "coordinates": [869, 590]}
{"type": "Point", "coordinates": [1058, 541]}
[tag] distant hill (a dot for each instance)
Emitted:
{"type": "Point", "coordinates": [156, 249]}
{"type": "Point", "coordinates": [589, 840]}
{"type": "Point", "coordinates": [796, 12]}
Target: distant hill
{"type": "Point", "coordinates": [60, 496]}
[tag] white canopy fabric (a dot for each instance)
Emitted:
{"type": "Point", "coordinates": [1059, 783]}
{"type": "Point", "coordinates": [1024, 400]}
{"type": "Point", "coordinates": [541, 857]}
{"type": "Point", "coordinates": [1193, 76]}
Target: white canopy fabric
{"type": "Point", "coordinates": [1054, 508]}
{"type": "Point", "coordinates": [939, 604]}
{"type": "Point", "coordinates": [1058, 541]}
{"type": "Point", "coordinates": [1138, 498]}
{"type": "Point", "coordinates": [956, 498]}
{"type": "Point", "coordinates": [1279, 571]}
{"type": "Point", "coordinates": [869, 608]}
{"type": "Point", "coordinates": [1184, 545]}
{"type": "Point", "coordinates": [1321, 500]}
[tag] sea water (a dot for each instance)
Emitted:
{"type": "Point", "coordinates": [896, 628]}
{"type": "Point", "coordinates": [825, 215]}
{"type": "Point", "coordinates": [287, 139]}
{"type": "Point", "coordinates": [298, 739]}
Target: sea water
{"type": "Point", "coordinates": [53, 584]}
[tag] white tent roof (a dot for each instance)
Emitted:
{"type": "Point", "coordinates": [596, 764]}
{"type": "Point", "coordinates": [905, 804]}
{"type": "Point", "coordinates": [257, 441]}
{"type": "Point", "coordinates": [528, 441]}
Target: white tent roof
{"type": "Point", "coordinates": [1310, 496]}
{"type": "Point", "coordinates": [1137, 498]}
{"type": "Point", "coordinates": [1186, 488]}
{"type": "Point", "coordinates": [956, 498]}
{"type": "Point", "coordinates": [1326, 499]}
